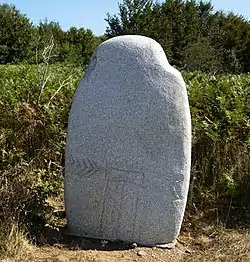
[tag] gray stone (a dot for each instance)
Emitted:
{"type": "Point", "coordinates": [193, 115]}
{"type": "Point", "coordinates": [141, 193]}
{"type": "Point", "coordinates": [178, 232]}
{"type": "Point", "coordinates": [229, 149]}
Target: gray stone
{"type": "Point", "coordinates": [128, 146]}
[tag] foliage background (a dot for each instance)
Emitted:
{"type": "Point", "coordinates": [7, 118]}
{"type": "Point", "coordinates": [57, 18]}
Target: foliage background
{"type": "Point", "coordinates": [193, 35]}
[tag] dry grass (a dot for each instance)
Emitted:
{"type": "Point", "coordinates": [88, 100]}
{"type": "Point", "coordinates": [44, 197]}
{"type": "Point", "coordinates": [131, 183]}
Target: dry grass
{"type": "Point", "coordinates": [214, 244]}
{"type": "Point", "coordinates": [14, 245]}
{"type": "Point", "coordinates": [219, 245]}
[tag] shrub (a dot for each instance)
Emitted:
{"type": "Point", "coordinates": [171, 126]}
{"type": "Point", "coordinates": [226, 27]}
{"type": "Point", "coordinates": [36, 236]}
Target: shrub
{"type": "Point", "coordinates": [34, 112]}
{"type": "Point", "coordinates": [220, 107]}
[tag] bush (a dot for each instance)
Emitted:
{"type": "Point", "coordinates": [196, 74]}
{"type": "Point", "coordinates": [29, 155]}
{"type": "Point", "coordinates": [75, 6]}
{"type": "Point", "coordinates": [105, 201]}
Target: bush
{"type": "Point", "coordinates": [220, 107]}
{"type": "Point", "coordinates": [34, 111]}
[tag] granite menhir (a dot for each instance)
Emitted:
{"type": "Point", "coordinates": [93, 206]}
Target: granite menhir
{"type": "Point", "coordinates": [128, 150]}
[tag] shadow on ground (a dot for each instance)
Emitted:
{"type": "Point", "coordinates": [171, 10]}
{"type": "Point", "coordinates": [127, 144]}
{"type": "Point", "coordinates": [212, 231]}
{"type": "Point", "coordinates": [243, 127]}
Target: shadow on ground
{"type": "Point", "coordinates": [56, 235]}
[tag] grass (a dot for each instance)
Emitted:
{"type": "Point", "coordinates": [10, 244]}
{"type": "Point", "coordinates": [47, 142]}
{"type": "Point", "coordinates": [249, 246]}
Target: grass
{"type": "Point", "coordinates": [14, 244]}
{"type": "Point", "coordinates": [221, 245]}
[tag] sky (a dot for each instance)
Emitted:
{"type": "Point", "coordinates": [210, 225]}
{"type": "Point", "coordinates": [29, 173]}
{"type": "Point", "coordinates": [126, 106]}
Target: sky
{"type": "Point", "coordinates": [91, 13]}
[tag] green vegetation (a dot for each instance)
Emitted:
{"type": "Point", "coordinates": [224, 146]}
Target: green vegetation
{"type": "Point", "coordinates": [21, 41]}
{"type": "Point", "coordinates": [15, 35]}
{"type": "Point", "coordinates": [193, 35]}
{"type": "Point", "coordinates": [33, 122]}
{"type": "Point", "coordinates": [220, 107]}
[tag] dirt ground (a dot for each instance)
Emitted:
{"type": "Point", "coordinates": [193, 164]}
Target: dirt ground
{"type": "Point", "coordinates": [213, 245]}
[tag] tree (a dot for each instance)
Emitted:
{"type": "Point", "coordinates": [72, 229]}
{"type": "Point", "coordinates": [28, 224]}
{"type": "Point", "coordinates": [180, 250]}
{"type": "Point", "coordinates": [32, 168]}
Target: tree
{"type": "Point", "coordinates": [246, 53]}
{"type": "Point", "coordinates": [202, 56]}
{"type": "Point", "coordinates": [81, 44]}
{"type": "Point", "coordinates": [184, 29]}
{"type": "Point", "coordinates": [132, 18]}
{"type": "Point", "coordinates": [15, 35]}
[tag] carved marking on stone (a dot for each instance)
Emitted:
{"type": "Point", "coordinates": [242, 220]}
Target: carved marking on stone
{"type": "Point", "coordinates": [124, 170]}
{"type": "Point", "coordinates": [125, 181]}
{"type": "Point", "coordinates": [71, 159]}
{"type": "Point", "coordinates": [88, 167]}
{"type": "Point", "coordinates": [84, 166]}
{"type": "Point", "coordinates": [104, 200]}
{"type": "Point", "coordinates": [120, 210]}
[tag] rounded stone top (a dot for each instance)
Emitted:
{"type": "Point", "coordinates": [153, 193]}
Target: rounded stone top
{"type": "Point", "coordinates": [131, 49]}
{"type": "Point", "coordinates": [132, 41]}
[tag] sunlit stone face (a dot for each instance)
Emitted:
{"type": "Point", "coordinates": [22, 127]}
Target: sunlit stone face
{"type": "Point", "coordinates": [128, 146]}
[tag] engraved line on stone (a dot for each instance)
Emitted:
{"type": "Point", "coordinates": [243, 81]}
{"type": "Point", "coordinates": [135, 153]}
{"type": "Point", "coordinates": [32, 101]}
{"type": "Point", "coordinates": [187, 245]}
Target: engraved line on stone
{"type": "Point", "coordinates": [134, 171]}
{"type": "Point", "coordinates": [104, 201]}
{"type": "Point", "coordinates": [125, 181]}
{"type": "Point", "coordinates": [124, 170]}
{"type": "Point", "coordinates": [143, 182]}
{"type": "Point", "coordinates": [92, 166]}
{"type": "Point", "coordinates": [78, 163]}
{"type": "Point", "coordinates": [88, 174]}
{"type": "Point", "coordinates": [79, 172]}
{"type": "Point", "coordinates": [119, 215]}
{"type": "Point", "coordinates": [112, 208]}
{"type": "Point", "coordinates": [71, 159]}
{"type": "Point", "coordinates": [89, 168]}
{"type": "Point", "coordinates": [136, 213]}
{"type": "Point", "coordinates": [144, 186]}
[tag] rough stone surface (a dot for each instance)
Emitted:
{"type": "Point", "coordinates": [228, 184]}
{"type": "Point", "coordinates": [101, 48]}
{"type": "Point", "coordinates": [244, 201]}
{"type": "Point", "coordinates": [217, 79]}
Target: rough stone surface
{"type": "Point", "coordinates": [128, 146]}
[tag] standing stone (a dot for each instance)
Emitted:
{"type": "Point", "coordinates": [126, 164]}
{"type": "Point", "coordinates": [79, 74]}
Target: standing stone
{"type": "Point", "coordinates": [128, 146]}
